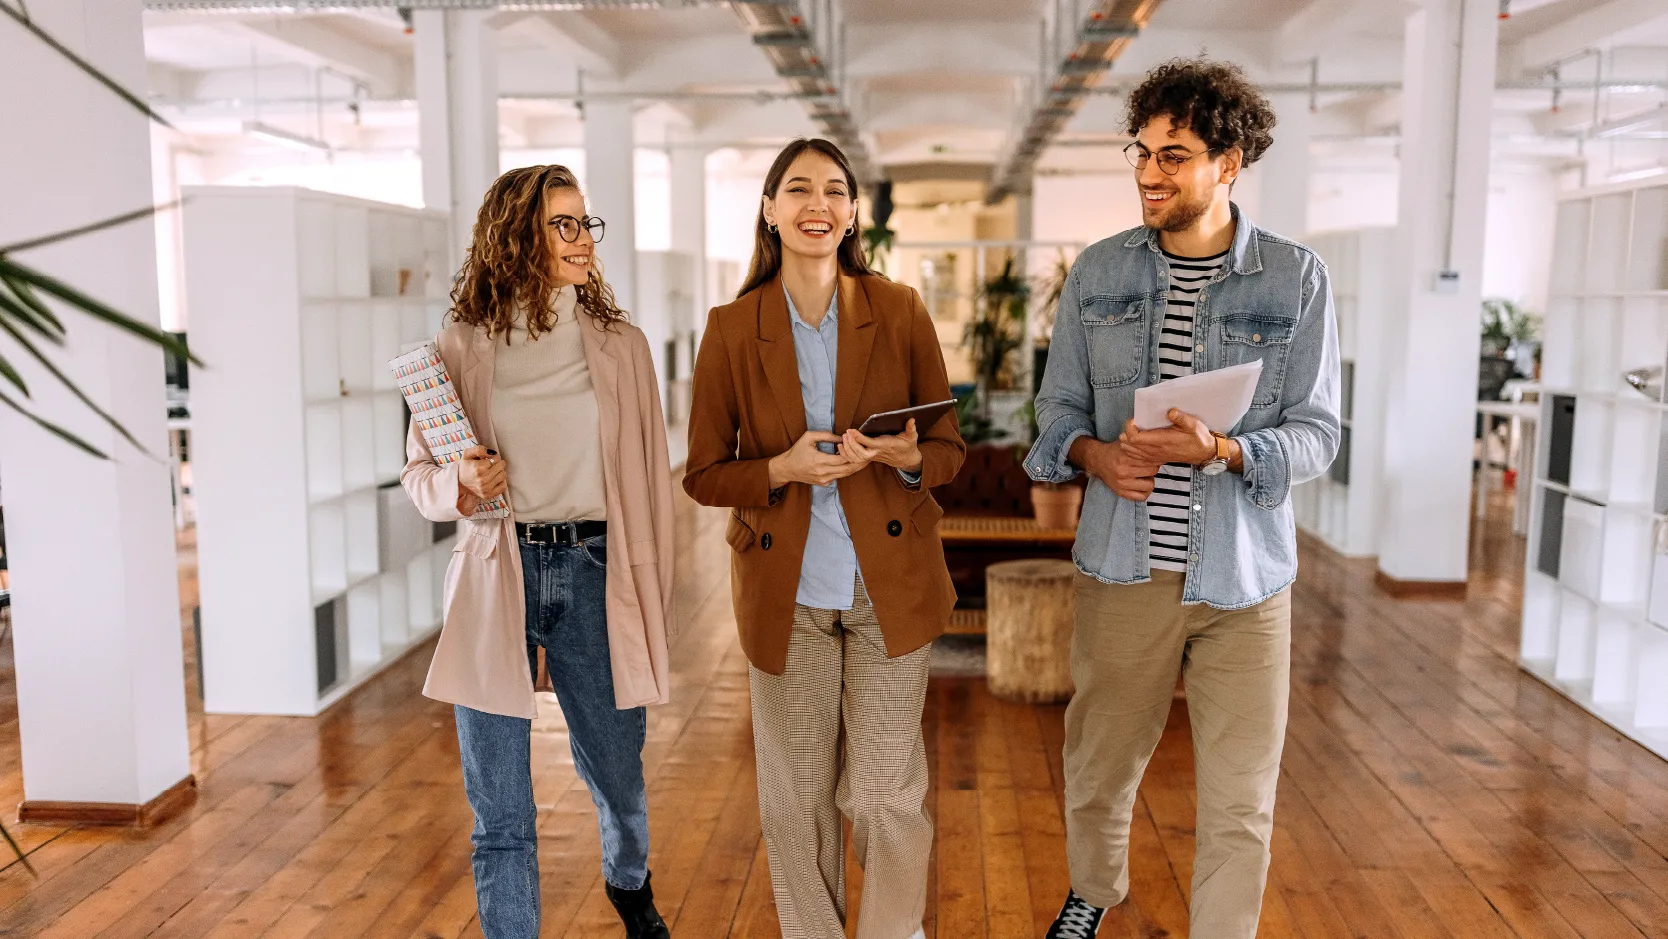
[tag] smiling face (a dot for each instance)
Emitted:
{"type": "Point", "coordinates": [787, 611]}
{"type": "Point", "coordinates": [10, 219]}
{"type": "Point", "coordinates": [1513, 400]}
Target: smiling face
{"type": "Point", "coordinates": [570, 261]}
{"type": "Point", "coordinates": [813, 206]}
{"type": "Point", "coordinates": [1176, 203]}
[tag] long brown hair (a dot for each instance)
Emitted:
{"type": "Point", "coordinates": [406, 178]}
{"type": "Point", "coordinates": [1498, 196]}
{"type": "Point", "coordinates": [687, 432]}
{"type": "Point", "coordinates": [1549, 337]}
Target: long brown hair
{"type": "Point", "coordinates": [767, 245]}
{"type": "Point", "coordinates": [508, 266]}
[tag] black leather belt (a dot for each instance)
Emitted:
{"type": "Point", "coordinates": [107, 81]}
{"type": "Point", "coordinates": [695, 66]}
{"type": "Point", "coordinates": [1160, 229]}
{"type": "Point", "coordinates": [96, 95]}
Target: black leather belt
{"type": "Point", "coordinates": [564, 533]}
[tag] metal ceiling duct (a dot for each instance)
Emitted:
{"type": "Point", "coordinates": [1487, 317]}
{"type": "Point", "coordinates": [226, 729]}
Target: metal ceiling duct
{"type": "Point", "coordinates": [329, 6]}
{"type": "Point", "coordinates": [781, 31]}
{"type": "Point", "coordinates": [1102, 35]}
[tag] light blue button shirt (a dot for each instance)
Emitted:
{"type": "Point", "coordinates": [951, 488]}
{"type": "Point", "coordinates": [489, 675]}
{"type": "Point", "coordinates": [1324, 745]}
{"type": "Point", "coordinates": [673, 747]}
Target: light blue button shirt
{"type": "Point", "coordinates": [827, 574]}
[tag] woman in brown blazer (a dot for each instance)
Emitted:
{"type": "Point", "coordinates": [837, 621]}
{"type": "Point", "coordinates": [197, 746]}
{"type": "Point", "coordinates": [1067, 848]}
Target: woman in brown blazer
{"type": "Point", "coordinates": [838, 572]}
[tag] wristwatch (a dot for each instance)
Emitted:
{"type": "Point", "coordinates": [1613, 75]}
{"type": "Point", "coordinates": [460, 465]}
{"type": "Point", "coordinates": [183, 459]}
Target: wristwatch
{"type": "Point", "coordinates": [1219, 465]}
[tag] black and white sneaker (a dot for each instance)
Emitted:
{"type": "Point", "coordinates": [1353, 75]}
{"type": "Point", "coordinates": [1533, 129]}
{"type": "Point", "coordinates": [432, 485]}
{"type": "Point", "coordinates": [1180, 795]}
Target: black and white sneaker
{"type": "Point", "coordinates": [1077, 919]}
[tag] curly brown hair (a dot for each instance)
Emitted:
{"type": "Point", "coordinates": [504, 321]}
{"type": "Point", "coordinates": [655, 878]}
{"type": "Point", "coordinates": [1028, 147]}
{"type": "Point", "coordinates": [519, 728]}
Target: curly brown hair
{"type": "Point", "coordinates": [1213, 99]}
{"type": "Point", "coordinates": [508, 266]}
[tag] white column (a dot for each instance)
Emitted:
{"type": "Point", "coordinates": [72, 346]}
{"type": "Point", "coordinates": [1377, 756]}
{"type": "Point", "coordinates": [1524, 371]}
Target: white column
{"type": "Point", "coordinates": [1447, 100]}
{"type": "Point", "coordinates": [611, 192]}
{"type": "Point", "coordinates": [689, 219]}
{"type": "Point", "coordinates": [1283, 172]}
{"type": "Point", "coordinates": [457, 102]}
{"type": "Point", "coordinates": [100, 674]}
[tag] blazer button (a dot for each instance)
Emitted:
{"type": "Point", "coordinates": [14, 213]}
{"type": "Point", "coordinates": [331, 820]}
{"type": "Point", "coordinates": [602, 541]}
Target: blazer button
{"type": "Point", "coordinates": [894, 528]}
{"type": "Point", "coordinates": [765, 541]}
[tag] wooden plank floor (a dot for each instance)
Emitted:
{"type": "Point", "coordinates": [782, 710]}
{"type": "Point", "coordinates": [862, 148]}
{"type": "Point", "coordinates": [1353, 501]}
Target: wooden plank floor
{"type": "Point", "coordinates": [1430, 789]}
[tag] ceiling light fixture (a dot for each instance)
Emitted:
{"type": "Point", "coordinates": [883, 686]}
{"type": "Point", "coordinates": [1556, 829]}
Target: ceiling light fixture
{"type": "Point", "coordinates": [279, 135]}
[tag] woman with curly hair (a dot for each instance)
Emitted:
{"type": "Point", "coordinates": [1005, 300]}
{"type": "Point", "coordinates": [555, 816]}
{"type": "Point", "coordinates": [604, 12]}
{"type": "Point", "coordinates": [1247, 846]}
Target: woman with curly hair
{"type": "Point", "coordinates": [576, 583]}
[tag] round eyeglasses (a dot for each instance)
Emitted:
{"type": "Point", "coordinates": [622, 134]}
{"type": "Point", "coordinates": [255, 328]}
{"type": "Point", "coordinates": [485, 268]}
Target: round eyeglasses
{"type": "Point", "coordinates": [568, 227]}
{"type": "Point", "coordinates": [1169, 161]}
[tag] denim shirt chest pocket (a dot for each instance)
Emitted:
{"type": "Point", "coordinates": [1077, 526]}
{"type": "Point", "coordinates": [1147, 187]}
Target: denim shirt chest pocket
{"type": "Point", "coordinates": [1116, 331]}
{"type": "Point", "coordinates": [1248, 337]}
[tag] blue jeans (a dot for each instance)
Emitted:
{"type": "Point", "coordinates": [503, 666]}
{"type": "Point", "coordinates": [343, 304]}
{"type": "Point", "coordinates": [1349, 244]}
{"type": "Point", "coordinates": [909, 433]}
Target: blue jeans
{"type": "Point", "coordinates": [566, 614]}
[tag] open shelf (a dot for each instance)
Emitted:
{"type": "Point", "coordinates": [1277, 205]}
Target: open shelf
{"type": "Point", "coordinates": [327, 546]}
{"type": "Point", "coordinates": [358, 443]}
{"type": "Point", "coordinates": [388, 419]}
{"type": "Point", "coordinates": [325, 479]}
{"type": "Point", "coordinates": [353, 332]}
{"type": "Point", "coordinates": [1595, 602]}
{"type": "Point", "coordinates": [303, 290]}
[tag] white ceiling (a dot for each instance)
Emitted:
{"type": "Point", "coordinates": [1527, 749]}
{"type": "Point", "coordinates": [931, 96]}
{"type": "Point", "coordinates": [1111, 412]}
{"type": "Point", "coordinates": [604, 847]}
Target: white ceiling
{"type": "Point", "coordinates": [926, 80]}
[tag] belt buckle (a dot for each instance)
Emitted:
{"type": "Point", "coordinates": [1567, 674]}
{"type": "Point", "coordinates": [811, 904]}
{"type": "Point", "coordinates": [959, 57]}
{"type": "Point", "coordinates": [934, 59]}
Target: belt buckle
{"type": "Point", "coordinates": [533, 535]}
{"type": "Point", "coordinates": [567, 533]}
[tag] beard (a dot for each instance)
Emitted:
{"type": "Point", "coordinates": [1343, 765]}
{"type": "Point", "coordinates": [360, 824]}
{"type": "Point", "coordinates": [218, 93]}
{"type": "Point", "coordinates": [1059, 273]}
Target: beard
{"type": "Point", "coordinates": [1179, 215]}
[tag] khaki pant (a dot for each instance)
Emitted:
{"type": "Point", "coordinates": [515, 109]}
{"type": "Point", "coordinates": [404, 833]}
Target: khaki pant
{"type": "Point", "coordinates": [839, 731]}
{"type": "Point", "coordinates": [1131, 640]}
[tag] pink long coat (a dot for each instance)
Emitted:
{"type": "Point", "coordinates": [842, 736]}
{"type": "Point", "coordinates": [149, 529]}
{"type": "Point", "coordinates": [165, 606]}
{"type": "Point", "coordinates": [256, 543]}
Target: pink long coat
{"type": "Point", "coordinates": [481, 660]}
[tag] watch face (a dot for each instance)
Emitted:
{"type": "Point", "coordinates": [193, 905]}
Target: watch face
{"type": "Point", "coordinates": [1214, 467]}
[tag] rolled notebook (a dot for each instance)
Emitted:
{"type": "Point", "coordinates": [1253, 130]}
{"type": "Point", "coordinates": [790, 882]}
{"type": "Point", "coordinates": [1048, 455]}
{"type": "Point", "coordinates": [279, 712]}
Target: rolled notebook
{"type": "Point", "coordinates": [438, 412]}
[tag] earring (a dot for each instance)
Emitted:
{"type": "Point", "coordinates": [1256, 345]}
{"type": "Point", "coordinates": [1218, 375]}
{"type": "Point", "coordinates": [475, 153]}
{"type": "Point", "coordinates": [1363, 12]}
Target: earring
{"type": "Point", "coordinates": [851, 229]}
{"type": "Point", "coordinates": [771, 226]}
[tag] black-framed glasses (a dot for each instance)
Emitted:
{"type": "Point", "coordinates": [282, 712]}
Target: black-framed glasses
{"type": "Point", "coordinates": [1169, 161]}
{"type": "Point", "coordinates": [568, 227]}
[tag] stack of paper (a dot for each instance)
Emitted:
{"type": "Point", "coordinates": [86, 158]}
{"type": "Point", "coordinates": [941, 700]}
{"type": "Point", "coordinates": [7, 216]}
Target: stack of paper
{"type": "Point", "coordinates": [1217, 398]}
{"type": "Point", "coordinates": [438, 413]}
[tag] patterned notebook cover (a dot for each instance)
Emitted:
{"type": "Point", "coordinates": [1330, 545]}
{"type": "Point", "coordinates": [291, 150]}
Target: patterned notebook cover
{"type": "Point", "coordinates": [438, 413]}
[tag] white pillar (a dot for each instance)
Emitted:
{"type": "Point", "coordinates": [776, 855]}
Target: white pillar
{"type": "Point", "coordinates": [457, 103]}
{"type": "Point", "coordinates": [611, 192]}
{"type": "Point", "coordinates": [100, 674]}
{"type": "Point", "coordinates": [689, 219]}
{"type": "Point", "coordinates": [1448, 92]}
{"type": "Point", "coordinates": [1283, 202]}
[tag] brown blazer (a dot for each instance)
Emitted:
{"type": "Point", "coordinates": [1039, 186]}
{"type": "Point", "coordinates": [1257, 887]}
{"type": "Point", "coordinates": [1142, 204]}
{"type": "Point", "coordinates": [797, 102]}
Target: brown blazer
{"type": "Point", "coordinates": [748, 408]}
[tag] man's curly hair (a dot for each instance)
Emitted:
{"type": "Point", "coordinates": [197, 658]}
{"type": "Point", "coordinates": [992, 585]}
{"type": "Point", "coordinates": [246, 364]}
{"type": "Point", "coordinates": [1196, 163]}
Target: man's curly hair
{"type": "Point", "coordinates": [1213, 99]}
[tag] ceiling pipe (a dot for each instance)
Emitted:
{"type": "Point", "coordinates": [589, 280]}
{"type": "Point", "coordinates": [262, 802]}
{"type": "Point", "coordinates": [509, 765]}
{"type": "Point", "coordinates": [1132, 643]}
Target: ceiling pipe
{"type": "Point", "coordinates": [781, 30]}
{"type": "Point", "coordinates": [333, 6]}
{"type": "Point", "coordinates": [1094, 42]}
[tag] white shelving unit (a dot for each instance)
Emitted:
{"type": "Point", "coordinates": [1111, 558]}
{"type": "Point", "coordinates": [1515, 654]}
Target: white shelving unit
{"type": "Point", "coordinates": [1595, 599]}
{"type": "Point", "coordinates": [666, 295]}
{"type": "Point", "coordinates": [314, 567]}
{"type": "Point", "coordinates": [1341, 507]}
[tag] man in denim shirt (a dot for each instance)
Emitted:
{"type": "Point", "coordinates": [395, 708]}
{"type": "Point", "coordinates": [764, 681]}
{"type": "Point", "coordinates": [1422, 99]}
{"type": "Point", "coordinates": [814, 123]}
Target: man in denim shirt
{"type": "Point", "coordinates": [1186, 545]}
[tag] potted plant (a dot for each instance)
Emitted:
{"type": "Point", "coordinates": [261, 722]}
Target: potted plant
{"type": "Point", "coordinates": [1509, 331]}
{"type": "Point", "coordinates": [1054, 505]}
{"type": "Point", "coordinates": [996, 331]}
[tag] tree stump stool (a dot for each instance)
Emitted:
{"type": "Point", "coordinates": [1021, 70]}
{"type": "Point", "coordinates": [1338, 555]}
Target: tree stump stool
{"type": "Point", "coordinates": [1030, 609]}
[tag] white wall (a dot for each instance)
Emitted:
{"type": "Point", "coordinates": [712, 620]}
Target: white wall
{"type": "Point", "coordinates": [1084, 207]}
{"type": "Point", "coordinates": [1517, 250]}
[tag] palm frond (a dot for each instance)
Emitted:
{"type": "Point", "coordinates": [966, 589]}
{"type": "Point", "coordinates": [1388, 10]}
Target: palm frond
{"type": "Point", "coordinates": [22, 19]}
{"type": "Point", "coordinates": [10, 270]}
{"type": "Point", "coordinates": [73, 388]}
{"type": "Point", "coordinates": [52, 428]}
{"type": "Point", "coordinates": [91, 228]}
{"type": "Point", "coordinates": [28, 307]}
{"type": "Point", "coordinates": [18, 850]}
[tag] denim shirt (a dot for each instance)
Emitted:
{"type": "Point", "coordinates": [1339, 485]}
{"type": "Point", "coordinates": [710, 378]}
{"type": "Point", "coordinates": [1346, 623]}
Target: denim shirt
{"type": "Point", "coordinates": [829, 571]}
{"type": "Point", "coordinates": [1271, 301]}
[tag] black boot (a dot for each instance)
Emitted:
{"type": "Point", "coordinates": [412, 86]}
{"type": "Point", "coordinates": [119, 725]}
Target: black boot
{"type": "Point", "coordinates": [636, 909]}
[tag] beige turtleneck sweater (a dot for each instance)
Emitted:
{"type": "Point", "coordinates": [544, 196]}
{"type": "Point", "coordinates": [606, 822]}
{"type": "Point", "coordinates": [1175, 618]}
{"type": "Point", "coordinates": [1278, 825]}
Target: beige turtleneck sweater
{"type": "Point", "coordinates": [544, 413]}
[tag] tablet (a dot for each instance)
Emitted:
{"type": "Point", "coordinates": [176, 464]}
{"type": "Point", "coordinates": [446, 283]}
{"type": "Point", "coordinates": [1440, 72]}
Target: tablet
{"type": "Point", "coordinates": [893, 422]}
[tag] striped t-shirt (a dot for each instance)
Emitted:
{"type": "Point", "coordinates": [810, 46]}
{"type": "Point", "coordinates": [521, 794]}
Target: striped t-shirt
{"type": "Point", "coordinates": [1170, 504]}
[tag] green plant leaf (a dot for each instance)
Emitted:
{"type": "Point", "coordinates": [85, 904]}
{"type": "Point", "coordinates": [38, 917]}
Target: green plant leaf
{"type": "Point", "coordinates": [74, 389]}
{"type": "Point", "coordinates": [18, 850]}
{"type": "Point", "coordinates": [29, 307]}
{"type": "Point", "coordinates": [53, 429]}
{"type": "Point", "coordinates": [94, 308]}
{"type": "Point", "coordinates": [91, 228]}
{"type": "Point", "coordinates": [23, 20]}
{"type": "Point", "coordinates": [11, 375]}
